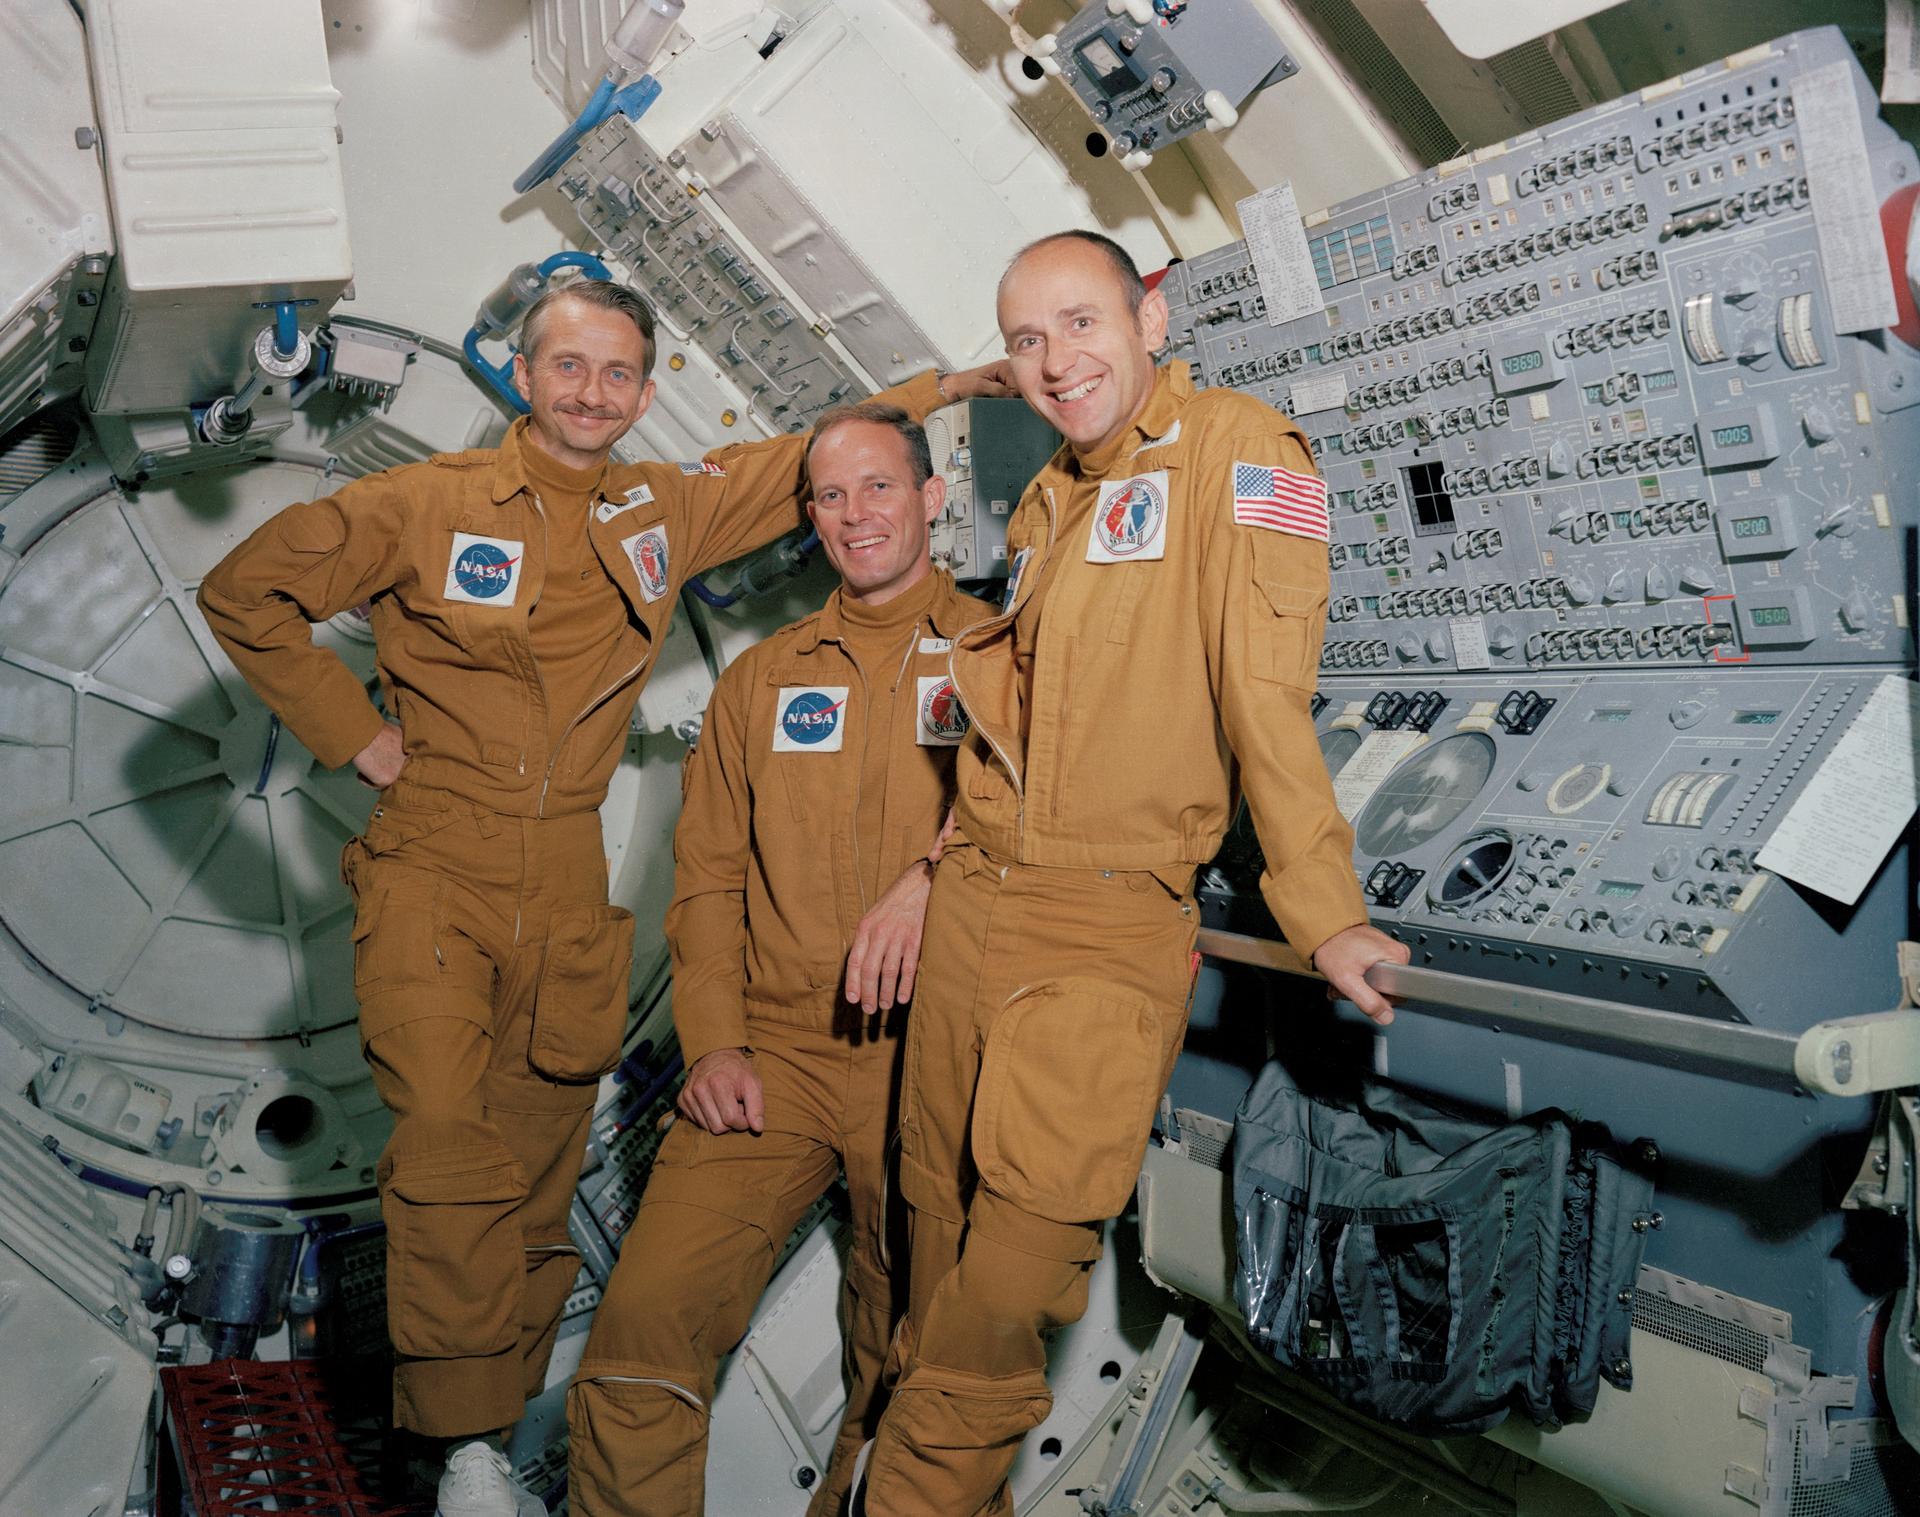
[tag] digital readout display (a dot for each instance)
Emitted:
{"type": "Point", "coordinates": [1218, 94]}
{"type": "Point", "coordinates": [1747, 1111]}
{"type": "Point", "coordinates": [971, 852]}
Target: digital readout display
{"type": "Point", "coordinates": [1755, 718]}
{"type": "Point", "coordinates": [1523, 363]}
{"type": "Point", "coordinates": [1752, 526]}
{"type": "Point", "coordinates": [1733, 437]}
{"type": "Point", "coordinates": [1771, 616]}
{"type": "Point", "coordinates": [1611, 714]}
{"type": "Point", "coordinates": [1618, 890]}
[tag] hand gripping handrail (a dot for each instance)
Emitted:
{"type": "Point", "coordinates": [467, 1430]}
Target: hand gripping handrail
{"type": "Point", "coordinates": [1855, 1055]}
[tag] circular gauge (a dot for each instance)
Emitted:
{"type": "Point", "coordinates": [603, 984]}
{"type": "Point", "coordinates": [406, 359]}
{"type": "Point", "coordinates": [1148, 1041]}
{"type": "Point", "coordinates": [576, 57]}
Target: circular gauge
{"type": "Point", "coordinates": [1576, 787]}
{"type": "Point", "coordinates": [1337, 746]}
{"type": "Point", "coordinates": [1424, 794]}
{"type": "Point", "coordinates": [1474, 871]}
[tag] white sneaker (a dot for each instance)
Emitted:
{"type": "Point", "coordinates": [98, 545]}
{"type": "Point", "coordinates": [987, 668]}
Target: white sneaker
{"type": "Point", "coordinates": [479, 1483]}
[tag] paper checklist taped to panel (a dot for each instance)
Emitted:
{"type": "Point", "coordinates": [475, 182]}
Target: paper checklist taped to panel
{"type": "Point", "coordinates": [1378, 755]}
{"type": "Point", "coordinates": [1277, 243]}
{"type": "Point", "coordinates": [1858, 802]}
{"type": "Point", "coordinates": [1846, 208]}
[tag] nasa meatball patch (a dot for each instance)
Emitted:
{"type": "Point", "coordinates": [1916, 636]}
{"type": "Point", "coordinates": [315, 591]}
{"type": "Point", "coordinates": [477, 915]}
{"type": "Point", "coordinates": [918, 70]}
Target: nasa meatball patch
{"type": "Point", "coordinates": [943, 720]}
{"type": "Point", "coordinates": [810, 719]}
{"type": "Point", "coordinates": [647, 552]}
{"type": "Point", "coordinates": [484, 571]}
{"type": "Point", "coordinates": [1130, 522]}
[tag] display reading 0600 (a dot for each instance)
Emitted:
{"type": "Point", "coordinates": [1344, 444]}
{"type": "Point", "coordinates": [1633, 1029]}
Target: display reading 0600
{"type": "Point", "coordinates": [1522, 363]}
{"type": "Point", "coordinates": [1771, 616]}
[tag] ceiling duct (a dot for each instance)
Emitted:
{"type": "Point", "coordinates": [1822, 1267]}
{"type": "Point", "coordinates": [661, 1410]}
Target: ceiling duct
{"type": "Point", "coordinates": [1441, 100]}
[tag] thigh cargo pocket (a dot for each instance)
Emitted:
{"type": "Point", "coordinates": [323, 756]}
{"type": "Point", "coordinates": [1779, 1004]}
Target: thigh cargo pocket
{"type": "Point", "coordinates": [455, 1266]}
{"type": "Point", "coordinates": [398, 921]}
{"type": "Point", "coordinates": [580, 1008]}
{"type": "Point", "coordinates": [1069, 1079]}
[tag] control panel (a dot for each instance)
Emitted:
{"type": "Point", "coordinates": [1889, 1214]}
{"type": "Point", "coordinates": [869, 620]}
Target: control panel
{"type": "Point", "coordinates": [1617, 393]}
{"type": "Point", "coordinates": [1150, 72]}
{"type": "Point", "coordinates": [704, 281]}
{"type": "Point", "coordinates": [1597, 833]}
{"type": "Point", "coordinates": [988, 451]}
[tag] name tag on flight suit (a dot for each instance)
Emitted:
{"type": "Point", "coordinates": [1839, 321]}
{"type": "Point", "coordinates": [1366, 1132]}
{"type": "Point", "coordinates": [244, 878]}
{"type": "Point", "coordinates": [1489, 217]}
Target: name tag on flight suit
{"type": "Point", "coordinates": [639, 495]}
{"type": "Point", "coordinates": [943, 720]}
{"type": "Point", "coordinates": [484, 571]}
{"type": "Point", "coordinates": [810, 719]}
{"type": "Point", "coordinates": [647, 552]}
{"type": "Point", "coordinates": [1130, 522]}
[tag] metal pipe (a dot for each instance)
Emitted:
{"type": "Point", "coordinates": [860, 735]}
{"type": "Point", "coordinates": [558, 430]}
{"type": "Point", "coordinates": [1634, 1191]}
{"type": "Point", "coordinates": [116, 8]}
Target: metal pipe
{"type": "Point", "coordinates": [1842, 1056]}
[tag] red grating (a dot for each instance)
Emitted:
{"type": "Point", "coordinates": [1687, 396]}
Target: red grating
{"type": "Point", "coordinates": [282, 1437]}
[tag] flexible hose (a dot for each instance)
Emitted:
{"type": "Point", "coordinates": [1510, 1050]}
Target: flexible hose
{"type": "Point", "coordinates": [599, 106]}
{"type": "Point", "coordinates": [185, 1212]}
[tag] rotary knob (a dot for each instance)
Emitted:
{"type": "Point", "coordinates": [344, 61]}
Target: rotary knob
{"type": "Point", "coordinates": [1408, 648]}
{"type": "Point", "coordinates": [1659, 584]}
{"type": "Point", "coordinates": [1687, 714]}
{"type": "Point", "coordinates": [1579, 588]}
{"type": "Point", "coordinates": [1668, 863]}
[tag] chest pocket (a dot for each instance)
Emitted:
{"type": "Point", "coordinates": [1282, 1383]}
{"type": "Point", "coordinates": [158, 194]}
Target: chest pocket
{"type": "Point", "coordinates": [1284, 622]}
{"type": "Point", "coordinates": [1116, 589]}
{"type": "Point", "coordinates": [478, 576]}
{"type": "Point", "coordinates": [800, 734]}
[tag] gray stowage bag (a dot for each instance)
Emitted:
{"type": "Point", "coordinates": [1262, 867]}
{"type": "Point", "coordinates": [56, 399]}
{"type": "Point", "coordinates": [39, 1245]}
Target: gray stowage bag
{"type": "Point", "coordinates": [1428, 1270]}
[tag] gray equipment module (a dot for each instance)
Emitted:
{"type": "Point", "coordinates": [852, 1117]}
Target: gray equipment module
{"type": "Point", "coordinates": [1621, 462]}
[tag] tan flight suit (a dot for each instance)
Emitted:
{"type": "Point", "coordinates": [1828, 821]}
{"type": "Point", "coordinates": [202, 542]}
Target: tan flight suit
{"type": "Point", "coordinates": [1157, 656]}
{"type": "Point", "coordinates": [492, 975]}
{"type": "Point", "coordinates": [789, 833]}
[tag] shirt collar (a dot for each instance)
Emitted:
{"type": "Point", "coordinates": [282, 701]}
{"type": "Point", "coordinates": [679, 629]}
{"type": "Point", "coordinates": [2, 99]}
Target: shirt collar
{"type": "Point", "coordinates": [1172, 389]}
{"type": "Point", "coordinates": [826, 625]}
{"type": "Point", "coordinates": [510, 467]}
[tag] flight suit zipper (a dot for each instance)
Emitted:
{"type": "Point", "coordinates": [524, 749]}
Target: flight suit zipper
{"type": "Point", "coordinates": [553, 756]}
{"type": "Point", "coordinates": [546, 557]}
{"type": "Point", "coordinates": [1005, 619]}
{"type": "Point", "coordinates": [567, 732]}
{"type": "Point", "coordinates": [859, 870]}
{"type": "Point", "coordinates": [666, 1385]}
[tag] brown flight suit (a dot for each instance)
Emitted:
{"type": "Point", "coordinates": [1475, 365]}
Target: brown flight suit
{"type": "Point", "coordinates": [491, 972]}
{"type": "Point", "coordinates": [793, 825]}
{"type": "Point", "coordinates": [1155, 657]}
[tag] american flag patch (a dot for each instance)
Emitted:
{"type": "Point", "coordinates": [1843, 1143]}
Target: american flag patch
{"type": "Point", "coordinates": [1279, 499]}
{"type": "Point", "coordinates": [704, 466]}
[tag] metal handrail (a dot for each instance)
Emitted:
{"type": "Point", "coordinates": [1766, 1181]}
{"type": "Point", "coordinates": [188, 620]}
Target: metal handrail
{"type": "Point", "coordinates": [1841, 1056]}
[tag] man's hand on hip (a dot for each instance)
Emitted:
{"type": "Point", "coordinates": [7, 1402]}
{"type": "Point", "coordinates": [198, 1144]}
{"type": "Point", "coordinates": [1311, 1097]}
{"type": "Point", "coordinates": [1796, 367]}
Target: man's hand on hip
{"type": "Point", "coordinates": [723, 1094]}
{"type": "Point", "coordinates": [886, 945]}
{"type": "Point", "coordinates": [1345, 959]}
{"type": "Point", "coordinates": [381, 761]}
